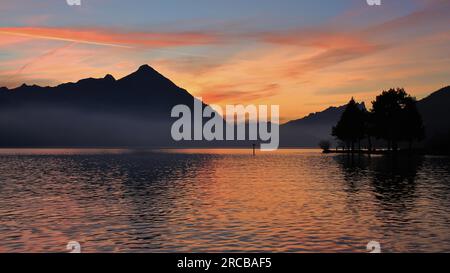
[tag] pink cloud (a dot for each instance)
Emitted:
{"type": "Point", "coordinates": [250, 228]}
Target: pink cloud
{"type": "Point", "coordinates": [234, 93]}
{"type": "Point", "coordinates": [114, 38]}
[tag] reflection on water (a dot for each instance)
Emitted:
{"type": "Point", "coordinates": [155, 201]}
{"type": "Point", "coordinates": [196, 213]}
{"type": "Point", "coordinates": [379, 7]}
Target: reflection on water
{"type": "Point", "coordinates": [221, 200]}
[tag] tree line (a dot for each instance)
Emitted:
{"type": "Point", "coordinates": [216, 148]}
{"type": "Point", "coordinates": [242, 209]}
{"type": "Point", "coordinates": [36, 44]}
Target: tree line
{"type": "Point", "coordinates": [394, 118]}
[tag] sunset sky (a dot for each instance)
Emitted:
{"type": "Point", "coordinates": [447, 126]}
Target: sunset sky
{"type": "Point", "coordinates": [304, 55]}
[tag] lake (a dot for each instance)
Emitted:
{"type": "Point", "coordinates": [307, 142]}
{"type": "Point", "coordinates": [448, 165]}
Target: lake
{"type": "Point", "coordinates": [120, 200]}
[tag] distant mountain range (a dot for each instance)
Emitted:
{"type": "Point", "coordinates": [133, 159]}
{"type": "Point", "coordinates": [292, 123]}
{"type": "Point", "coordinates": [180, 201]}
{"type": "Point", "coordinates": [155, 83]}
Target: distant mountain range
{"type": "Point", "coordinates": [308, 131]}
{"type": "Point", "coordinates": [435, 111]}
{"type": "Point", "coordinates": [135, 111]}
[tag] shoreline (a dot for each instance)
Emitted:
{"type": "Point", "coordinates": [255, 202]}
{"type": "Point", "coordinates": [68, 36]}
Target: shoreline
{"type": "Point", "coordinates": [385, 152]}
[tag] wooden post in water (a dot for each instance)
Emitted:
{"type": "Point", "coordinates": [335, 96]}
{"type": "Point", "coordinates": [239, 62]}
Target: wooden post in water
{"type": "Point", "coordinates": [254, 152]}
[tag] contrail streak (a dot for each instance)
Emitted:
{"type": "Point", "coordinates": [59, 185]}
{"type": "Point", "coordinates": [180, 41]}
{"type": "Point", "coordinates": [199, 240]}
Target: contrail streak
{"type": "Point", "coordinates": [62, 39]}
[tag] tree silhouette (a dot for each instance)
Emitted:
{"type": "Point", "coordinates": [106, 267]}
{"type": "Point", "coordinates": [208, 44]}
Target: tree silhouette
{"type": "Point", "coordinates": [396, 118]}
{"type": "Point", "coordinates": [411, 123]}
{"type": "Point", "coordinates": [386, 110]}
{"type": "Point", "coordinates": [351, 126]}
{"type": "Point", "coordinates": [369, 127]}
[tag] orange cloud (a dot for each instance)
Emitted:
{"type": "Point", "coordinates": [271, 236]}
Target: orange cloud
{"type": "Point", "coordinates": [316, 38]}
{"type": "Point", "coordinates": [234, 93]}
{"type": "Point", "coordinates": [332, 48]}
{"type": "Point", "coordinates": [45, 65]}
{"type": "Point", "coordinates": [43, 56]}
{"type": "Point", "coordinates": [111, 38]}
{"type": "Point", "coordinates": [302, 70]}
{"type": "Point", "coordinates": [8, 40]}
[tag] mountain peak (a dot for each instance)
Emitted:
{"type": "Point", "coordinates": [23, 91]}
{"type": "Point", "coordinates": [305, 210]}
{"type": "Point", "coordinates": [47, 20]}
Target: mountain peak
{"type": "Point", "coordinates": [145, 71]}
{"type": "Point", "coordinates": [109, 77]}
{"type": "Point", "coordinates": [146, 68]}
{"type": "Point", "coordinates": [145, 76]}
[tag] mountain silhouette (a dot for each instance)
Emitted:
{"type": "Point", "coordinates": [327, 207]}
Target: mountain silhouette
{"type": "Point", "coordinates": [132, 111]}
{"type": "Point", "coordinates": [309, 130]}
{"type": "Point", "coordinates": [435, 111]}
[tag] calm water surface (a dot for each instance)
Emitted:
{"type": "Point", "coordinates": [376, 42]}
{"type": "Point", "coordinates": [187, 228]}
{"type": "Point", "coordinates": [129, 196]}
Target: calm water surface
{"type": "Point", "coordinates": [221, 200]}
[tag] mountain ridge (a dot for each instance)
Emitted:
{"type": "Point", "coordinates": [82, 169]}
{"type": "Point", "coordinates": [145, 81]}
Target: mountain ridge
{"type": "Point", "coordinates": [115, 112]}
{"type": "Point", "coordinates": [131, 111]}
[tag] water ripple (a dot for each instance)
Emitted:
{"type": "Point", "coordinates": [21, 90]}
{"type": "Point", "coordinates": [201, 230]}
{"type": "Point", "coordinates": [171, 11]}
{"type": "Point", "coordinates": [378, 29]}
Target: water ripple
{"type": "Point", "coordinates": [221, 200]}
